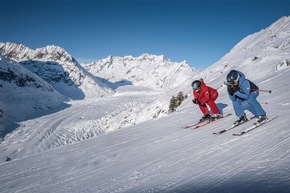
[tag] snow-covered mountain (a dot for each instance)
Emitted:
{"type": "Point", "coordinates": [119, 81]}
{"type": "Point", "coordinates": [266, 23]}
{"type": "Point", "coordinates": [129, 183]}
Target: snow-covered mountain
{"type": "Point", "coordinates": [146, 70]}
{"type": "Point", "coordinates": [149, 73]}
{"type": "Point", "coordinates": [156, 155]}
{"type": "Point", "coordinates": [23, 93]}
{"type": "Point", "coordinates": [269, 46]}
{"type": "Point", "coordinates": [152, 74]}
{"type": "Point", "coordinates": [58, 68]}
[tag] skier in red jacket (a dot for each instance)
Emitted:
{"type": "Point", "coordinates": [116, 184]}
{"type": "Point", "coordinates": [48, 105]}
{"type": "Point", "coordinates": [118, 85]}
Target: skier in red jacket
{"type": "Point", "coordinates": [203, 96]}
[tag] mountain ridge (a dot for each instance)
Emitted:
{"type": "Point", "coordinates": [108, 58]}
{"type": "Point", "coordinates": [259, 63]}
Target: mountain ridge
{"type": "Point", "coordinates": [74, 81]}
{"type": "Point", "coordinates": [266, 50]}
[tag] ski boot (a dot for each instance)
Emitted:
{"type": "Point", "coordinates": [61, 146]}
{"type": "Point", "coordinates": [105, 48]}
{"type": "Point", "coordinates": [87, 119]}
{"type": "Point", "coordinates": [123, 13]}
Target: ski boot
{"type": "Point", "coordinates": [215, 117]}
{"type": "Point", "coordinates": [260, 119]}
{"type": "Point", "coordinates": [204, 118]}
{"type": "Point", "coordinates": [240, 120]}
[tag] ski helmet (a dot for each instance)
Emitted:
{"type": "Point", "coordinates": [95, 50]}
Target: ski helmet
{"type": "Point", "coordinates": [233, 77]}
{"type": "Point", "coordinates": [196, 85]}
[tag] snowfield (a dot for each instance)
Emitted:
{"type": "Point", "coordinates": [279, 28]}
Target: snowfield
{"type": "Point", "coordinates": [156, 155]}
{"type": "Point", "coordinates": [115, 145]}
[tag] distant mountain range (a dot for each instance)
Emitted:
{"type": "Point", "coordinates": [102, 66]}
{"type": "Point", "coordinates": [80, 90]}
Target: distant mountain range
{"type": "Point", "coordinates": [25, 72]}
{"type": "Point", "coordinates": [146, 70]}
{"type": "Point", "coordinates": [54, 65]}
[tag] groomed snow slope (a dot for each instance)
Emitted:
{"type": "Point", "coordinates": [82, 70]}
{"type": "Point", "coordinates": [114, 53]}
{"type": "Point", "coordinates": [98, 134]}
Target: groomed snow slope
{"type": "Point", "coordinates": [158, 156]}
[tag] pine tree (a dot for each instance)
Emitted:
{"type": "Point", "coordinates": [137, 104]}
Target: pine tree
{"type": "Point", "coordinates": [179, 99]}
{"type": "Point", "coordinates": [172, 105]}
{"type": "Point", "coordinates": [175, 102]}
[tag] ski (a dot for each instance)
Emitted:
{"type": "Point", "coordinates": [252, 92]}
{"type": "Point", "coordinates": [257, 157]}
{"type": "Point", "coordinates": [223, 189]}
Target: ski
{"type": "Point", "coordinates": [206, 123]}
{"type": "Point", "coordinates": [244, 131]}
{"type": "Point", "coordinates": [229, 128]}
{"type": "Point", "coordinates": [197, 125]}
{"type": "Point", "coordinates": [189, 126]}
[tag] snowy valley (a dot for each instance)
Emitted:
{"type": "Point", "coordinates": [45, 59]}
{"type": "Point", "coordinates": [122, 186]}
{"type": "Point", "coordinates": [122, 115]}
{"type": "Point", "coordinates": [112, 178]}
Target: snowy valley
{"type": "Point", "coordinates": [105, 127]}
{"type": "Point", "coordinates": [71, 81]}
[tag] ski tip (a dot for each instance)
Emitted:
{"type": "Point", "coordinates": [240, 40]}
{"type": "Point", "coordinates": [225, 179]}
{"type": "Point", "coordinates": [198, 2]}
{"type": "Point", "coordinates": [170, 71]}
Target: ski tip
{"type": "Point", "coordinates": [238, 134]}
{"type": "Point", "coordinates": [219, 132]}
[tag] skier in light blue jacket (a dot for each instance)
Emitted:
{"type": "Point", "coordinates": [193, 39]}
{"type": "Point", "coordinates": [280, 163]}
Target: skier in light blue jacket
{"type": "Point", "coordinates": [242, 90]}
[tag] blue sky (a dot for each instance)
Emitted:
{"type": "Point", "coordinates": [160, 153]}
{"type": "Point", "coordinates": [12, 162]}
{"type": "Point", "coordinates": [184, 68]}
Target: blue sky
{"type": "Point", "coordinates": [198, 31]}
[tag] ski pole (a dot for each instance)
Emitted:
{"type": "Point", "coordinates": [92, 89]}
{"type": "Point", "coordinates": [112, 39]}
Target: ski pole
{"type": "Point", "coordinates": [269, 91]}
{"type": "Point", "coordinates": [219, 87]}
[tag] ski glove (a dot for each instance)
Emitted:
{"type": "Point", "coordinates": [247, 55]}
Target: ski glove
{"type": "Point", "coordinates": [195, 101]}
{"type": "Point", "coordinates": [232, 90]}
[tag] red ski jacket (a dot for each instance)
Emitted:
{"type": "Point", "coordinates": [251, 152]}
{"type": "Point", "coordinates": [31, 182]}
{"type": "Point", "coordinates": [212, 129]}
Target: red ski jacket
{"type": "Point", "coordinates": [205, 94]}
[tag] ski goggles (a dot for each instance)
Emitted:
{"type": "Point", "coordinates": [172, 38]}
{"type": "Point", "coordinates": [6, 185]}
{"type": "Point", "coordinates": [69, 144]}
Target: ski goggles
{"type": "Point", "coordinates": [195, 88]}
{"type": "Point", "coordinates": [231, 83]}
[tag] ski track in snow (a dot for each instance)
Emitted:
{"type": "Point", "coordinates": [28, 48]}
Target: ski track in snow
{"type": "Point", "coordinates": [154, 156]}
{"type": "Point", "coordinates": [77, 123]}
{"type": "Point", "coordinates": [89, 164]}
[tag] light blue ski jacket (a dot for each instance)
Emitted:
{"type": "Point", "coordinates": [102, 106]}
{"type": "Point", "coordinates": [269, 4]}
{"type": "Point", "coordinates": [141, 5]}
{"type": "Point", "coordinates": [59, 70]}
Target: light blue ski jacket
{"type": "Point", "coordinates": [245, 88]}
